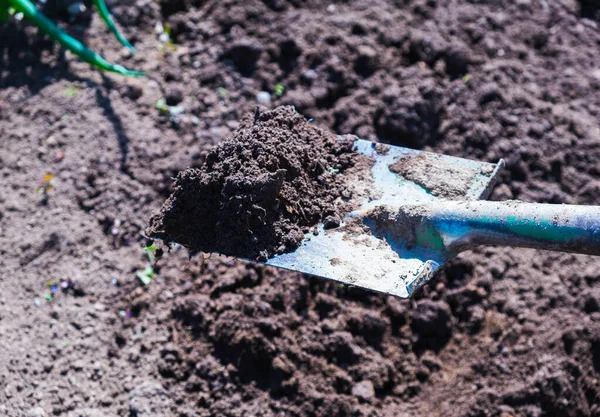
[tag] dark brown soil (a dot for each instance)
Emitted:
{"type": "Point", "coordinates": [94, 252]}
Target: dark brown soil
{"type": "Point", "coordinates": [260, 190]}
{"type": "Point", "coordinates": [501, 332]}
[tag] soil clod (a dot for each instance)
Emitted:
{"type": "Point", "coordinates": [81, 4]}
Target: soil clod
{"type": "Point", "coordinates": [275, 177]}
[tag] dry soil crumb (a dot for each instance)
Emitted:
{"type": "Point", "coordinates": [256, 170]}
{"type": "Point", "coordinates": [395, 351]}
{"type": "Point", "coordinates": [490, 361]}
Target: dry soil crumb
{"type": "Point", "coordinates": [430, 172]}
{"type": "Point", "coordinates": [260, 190]}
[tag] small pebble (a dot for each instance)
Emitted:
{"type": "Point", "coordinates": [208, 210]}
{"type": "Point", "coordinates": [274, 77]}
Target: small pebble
{"type": "Point", "coordinates": [364, 391]}
{"type": "Point", "coordinates": [263, 97]}
{"type": "Point", "coordinates": [310, 75]}
{"type": "Point", "coordinates": [36, 412]}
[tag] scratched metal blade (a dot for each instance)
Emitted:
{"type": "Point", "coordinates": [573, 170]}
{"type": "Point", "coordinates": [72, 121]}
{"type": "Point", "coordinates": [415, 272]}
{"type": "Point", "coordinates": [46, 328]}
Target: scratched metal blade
{"type": "Point", "coordinates": [366, 261]}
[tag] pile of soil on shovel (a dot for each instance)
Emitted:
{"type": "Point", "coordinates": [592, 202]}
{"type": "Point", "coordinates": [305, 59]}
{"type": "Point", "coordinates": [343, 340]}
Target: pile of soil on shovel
{"type": "Point", "coordinates": [260, 190]}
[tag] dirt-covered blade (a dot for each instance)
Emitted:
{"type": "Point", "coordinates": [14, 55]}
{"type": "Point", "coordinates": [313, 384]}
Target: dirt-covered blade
{"type": "Point", "coordinates": [352, 255]}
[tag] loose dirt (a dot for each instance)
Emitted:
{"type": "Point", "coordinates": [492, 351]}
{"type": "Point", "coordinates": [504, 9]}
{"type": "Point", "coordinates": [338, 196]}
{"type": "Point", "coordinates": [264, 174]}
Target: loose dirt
{"type": "Point", "coordinates": [259, 191]}
{"type": "Point", "coordinates": [501, 332]}
{"type": "Point", "coordinates": [430, 172]}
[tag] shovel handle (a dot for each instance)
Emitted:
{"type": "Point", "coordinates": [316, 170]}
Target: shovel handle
{"type": "Point", "coordinates": [558, 227]}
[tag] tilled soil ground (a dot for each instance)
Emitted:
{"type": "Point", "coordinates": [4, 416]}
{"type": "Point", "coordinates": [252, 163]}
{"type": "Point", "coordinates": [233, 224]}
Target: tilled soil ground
{"type": "Point", "coordinates": [502, 332]}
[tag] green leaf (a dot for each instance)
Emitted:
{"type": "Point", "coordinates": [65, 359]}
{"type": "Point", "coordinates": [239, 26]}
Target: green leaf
{"type": "Point", "coordinates": [105, 15]}
{"type": "Point", "coordinates": [151, 252]}
{"type": "Point", "coordinates": [71, 91]}
{"type": "Point", "coordinates": [161, 105]}
{"type": "Point", "coordinates": [146, 275]}
{"type": "Point", "coordinates": [48, 27]}
{"type": "Point", "coordinates": [167, 29]}
{"type": "Point", "coordinates": [279, 89]}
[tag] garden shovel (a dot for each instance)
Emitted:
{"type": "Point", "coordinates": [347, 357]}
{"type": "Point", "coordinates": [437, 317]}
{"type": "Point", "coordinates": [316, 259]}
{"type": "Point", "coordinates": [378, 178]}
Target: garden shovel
{"type": "Point", "coordinates": [423, 209]}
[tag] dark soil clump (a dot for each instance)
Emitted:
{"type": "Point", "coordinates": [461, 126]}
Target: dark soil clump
{"type": "Point", "coordinates": [260, 190]}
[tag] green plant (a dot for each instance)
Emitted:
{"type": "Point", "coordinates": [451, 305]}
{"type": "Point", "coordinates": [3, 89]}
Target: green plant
{"type": "Point", "coordinates": [279, 89]}
{"type": "Point", "coordinates": [222, 91]}
{"type": "Point", "coordinates": [165, 38]}
{"type": "Point", "coordinates": [105, 15]}
{"type": "Point", "coordinates": [146, 275]}
{"type": "Point", "coordinates": [31, 13]}
{"type": "Point", "coordinates": [151, 251]}
{"type": "Point", "coordinates": [71, 91]}
{"type": "Point", "coordinates": [161, 105]}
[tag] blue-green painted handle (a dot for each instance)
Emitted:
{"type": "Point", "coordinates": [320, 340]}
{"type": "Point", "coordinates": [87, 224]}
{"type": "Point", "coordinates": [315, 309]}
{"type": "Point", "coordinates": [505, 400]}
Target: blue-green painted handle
{"type": "Point", "coordinates": [559, 227]}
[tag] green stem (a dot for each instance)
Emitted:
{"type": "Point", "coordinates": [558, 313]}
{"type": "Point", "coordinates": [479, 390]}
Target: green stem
{"type": "Point", "coordinates": [47, 26]}
{"type": "Point", "coordinates": [105, 14]}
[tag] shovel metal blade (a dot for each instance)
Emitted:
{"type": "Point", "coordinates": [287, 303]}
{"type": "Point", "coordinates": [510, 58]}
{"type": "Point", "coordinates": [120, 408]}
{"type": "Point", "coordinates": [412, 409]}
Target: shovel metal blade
{"type": "Point", "coordinates": [399, 177]}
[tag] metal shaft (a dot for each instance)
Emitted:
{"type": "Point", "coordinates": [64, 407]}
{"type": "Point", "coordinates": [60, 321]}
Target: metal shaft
{"type": "Point", "coordinates": [559, 227]}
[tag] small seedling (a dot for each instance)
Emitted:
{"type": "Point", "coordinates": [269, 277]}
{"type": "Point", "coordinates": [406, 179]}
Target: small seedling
{"type": "Point", "coordinates": [221, 91]}
{"type": "Point", "coordinates": [165, 38]}
{"type": "Point", "coordinates": [27, 9]}
{"type": "Point", "coordinates": [161, 105]}
{"type": "Point", "coordinates": [151, 251]}
{"type": "Point", "coordinates": [279, 89]}
{"type": "Point", "coordinates": [71, 91]}
{"type": "Point", "coordinates": [146, 275]}
{"type": "Point", "coordinates": [168, 29]}
{"type": "Point", "coordinates": [174, 112]}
